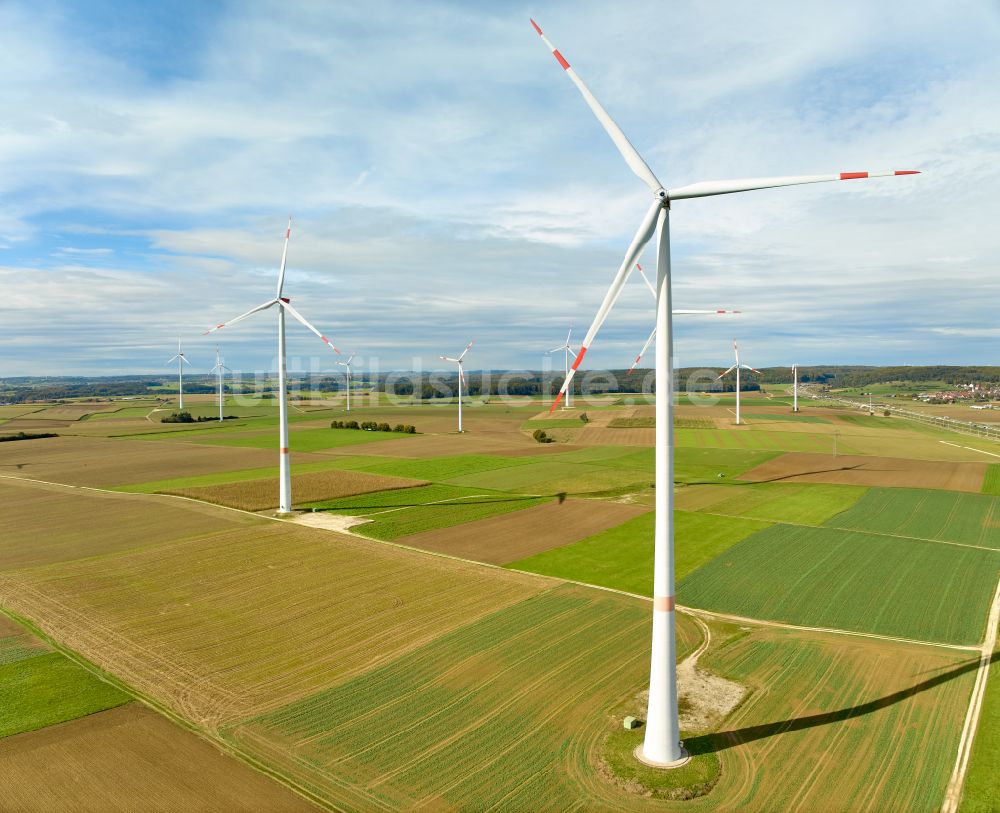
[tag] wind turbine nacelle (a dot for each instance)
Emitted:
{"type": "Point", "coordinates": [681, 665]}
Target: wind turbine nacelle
{"type": "Point", "coordinates": [285, 299]}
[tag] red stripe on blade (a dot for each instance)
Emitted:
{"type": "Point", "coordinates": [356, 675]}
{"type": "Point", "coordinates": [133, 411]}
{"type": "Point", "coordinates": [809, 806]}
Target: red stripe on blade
{"type": "Point", "coordinates": [847, 176]}
{"type": "Point", "coordinates": [536, 27]}
{"type": "Point", "coordinates": [562, 60]}
{"type": "Point", "coordinates": [325, 339]}
{"type": "Point", "coordinates": [907, 172]}
{"type": "Point", "coordinates": [579, 357]}
{"type": "Point", "coordinates": [555, 403]}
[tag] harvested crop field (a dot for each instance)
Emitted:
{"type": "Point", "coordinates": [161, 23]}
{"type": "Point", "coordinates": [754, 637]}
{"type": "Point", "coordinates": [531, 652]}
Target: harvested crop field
{"type": "Point", "coordinates": [484, 717]}
{"type": "Point", "coordinates": [232, 623]}
{"type": "Point", "coordinates": [801, 503]}
{"type": "Point", "coordinates": [111, 461]}
{"type": "Point", "coordinates": [128, 759]}
{"type": "Point", "coordinates": [602, 436]}
{"type": "Point", "coordinates": [65, 523]}
{"type": "Point", "coordinates": [870, 471]}
{"type": "Point", "coordinates": [827, 577]}
{"type": "Point", "coordinates": [257, 495]}
{"type": "Point", "coordinates": [503, 539]}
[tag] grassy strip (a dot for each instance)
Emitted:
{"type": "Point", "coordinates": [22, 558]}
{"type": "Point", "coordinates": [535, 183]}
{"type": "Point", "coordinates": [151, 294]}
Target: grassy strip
{"type": "Point", "coordinates": [304, 440]}
{"type": "Point", "coordinates": [991, 482]}
{"type": "Point", "coordinates": [785, 416]}
{"type": "Point", "coordinates": [799, 503]}
{"type": "Point", "coordinates": [981, 793]}
{"type": "Point", "coordinates": [622, 557]}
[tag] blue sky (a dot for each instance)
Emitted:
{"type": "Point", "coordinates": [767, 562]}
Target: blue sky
{"type": "Point", "coordinates": [448, 182]}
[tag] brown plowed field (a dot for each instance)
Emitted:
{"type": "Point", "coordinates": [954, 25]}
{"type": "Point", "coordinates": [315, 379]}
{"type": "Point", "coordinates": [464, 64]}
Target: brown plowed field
{"type": "Point", "coordinates": [513, 536]}
{"type": "Point", "coordinates": [111, 462]}
{"type": "Point", "coordinates": [599, 436]}
{"type": "Point", "coordinates": [44, 523]}
{"type": "Point", "coordinates": [131, 759]}
{"type": "Point", "coordinates": [800, 467]}
{"type": "Point", "coordinates": [256, 495]}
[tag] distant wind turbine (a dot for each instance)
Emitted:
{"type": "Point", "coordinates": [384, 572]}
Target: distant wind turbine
{"type": "Point", "coordinates": [181, 361]}
{"type": "Point", "coordinates": [284, 305]}
{"type": "Point", "coordinates": [737, 367]}
{"type": "Point", "coordinates": [461, 380]}
{"type": "Point", "coordinates": [661, 744]}
{"type": "Point", "coordinates": [795, 388]}
{"type": "Point", "coordinates": [347, 369]}
{"type": "Point", "coordinates": [219, 368]}
{"type": "Point", "coordinates": [567, 349]}
{"type": "Point", "coordinates": [676, 312]}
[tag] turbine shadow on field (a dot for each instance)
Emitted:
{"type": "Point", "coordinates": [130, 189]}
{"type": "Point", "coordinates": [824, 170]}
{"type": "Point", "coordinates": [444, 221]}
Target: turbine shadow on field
{"type": "Point", "coordinates": [817, 471]}
{"type": "Point", "coordinates": [722, 740]}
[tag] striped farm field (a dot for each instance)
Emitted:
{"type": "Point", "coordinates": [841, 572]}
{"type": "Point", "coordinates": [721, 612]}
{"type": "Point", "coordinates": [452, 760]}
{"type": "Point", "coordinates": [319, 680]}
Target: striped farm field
{"type": "Point", "coordinates": [798, 503]}
{"type": "Point", "coordinates": [300, 440]}
{"type": "Point", "coordinates": [256, 495]}
{"type": "Point", "coordinates": [483, 717]}
{"type": "Point", "coordinates": [439, 469]}
{"type": "Point", "coordinates": [760, 439]}
{"type": "Point", "coordinates": [991, 482]}
{"type": "Point", "coordinates": [622, 557]}
{"type": "Point", "coordinates": [828, 577]}
{"type": "Point", "coordinates": [968, 519]}
{"type": "Point", "coordinates": [229, 623]}
{"type": "Point", "coordinates": [400, 512]}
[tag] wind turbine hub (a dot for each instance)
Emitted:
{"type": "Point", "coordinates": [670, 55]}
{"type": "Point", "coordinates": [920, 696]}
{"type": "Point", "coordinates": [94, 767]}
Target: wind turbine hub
{"type": "Point", "coordinates": [664, 199]}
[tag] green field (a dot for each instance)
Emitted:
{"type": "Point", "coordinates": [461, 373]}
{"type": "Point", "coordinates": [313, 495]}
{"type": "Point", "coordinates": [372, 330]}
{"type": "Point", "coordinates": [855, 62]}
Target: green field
{"type": "Point", "coordinates": [981, 793]}
{"type": "Point", "coordinates": [622, 557]}
{"type": "Point", "coordinates": [700, 465]}
{"type": "Point", "coordinates": [441, 469]}
{"type": "Point", "coordinates": [481, 718]}
{"type": "Point", "coordinates": [760, 439]}
{"type": "Point", "coordinates": [412, 510]}
{"type": "Point", "coordinates": [49, 688]}
{"type": "Point", "coordinates": [798, 503]}
{"type": "Point", "coordinates": [991, 482]}
{"type": "Point", "coordinates": [951, 516]}
{"type": "Point", "coordinates": [302, 440]}
{"type": "Point", "coordinates": [827, 577]}
{"type": "Point", "coordinates": [785, 416]}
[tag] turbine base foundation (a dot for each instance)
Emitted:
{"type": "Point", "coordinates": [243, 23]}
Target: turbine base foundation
{"type": "Point", "coordinates": [677, 763]}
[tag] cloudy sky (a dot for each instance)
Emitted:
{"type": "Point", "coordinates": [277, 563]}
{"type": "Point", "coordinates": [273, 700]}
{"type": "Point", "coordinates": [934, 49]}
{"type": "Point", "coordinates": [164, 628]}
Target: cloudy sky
{"type": "Point", "coordinates": [448, 183]}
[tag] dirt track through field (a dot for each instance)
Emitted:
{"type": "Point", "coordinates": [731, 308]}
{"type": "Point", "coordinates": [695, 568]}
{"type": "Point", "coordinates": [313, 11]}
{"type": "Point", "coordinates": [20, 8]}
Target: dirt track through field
{"type": "Point", "coordinates": [509, 537]}
{"type": "Point", "coordinates": [801, 467]}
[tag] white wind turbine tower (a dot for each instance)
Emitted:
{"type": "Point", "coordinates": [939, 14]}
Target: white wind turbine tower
{"type": "Point", "coordinates": [567, 349]}
{"type": "Point", "coordinates": [676, 312]}
{"type": "Point", "coordinates": [795, 388]}
{"type": "Point", "coordinates": [181, 361]}
{"type": "Point", "coordinates": [662, 738]}
{"type": "Point", "coordinates": [737, 366]}
{"type": "Point", "coordinates": [219, 368]}
{"type": "Point", "coordinates": [461, 380]}
{"type": "Point", "coordinates": [347, 369]}
{"type": "Point", "coordinates": [284, 305]}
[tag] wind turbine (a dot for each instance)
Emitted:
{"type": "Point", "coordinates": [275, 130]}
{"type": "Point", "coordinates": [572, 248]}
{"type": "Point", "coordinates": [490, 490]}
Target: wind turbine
{"type": "Point", "coordinates": [284, 305]}
{"type": "Point", "coordinates": [461, 380]}
{"type": "Point", "coordinates": [737, 366]}
{"type": "Point", "coordinates": [347, 369]}
{"type": "Point", "coordinates": [676, 312]}
{"type": "Point", "coordinates": [567, 349]}
{"type": "Point", "coordinates": [795, 388]}
{"type": "Point", "coordinates": [181, 361]}
{"type": "Point", "coordinates": [662, 738]}
{"type": "Point", "coordinates": [219, 368]}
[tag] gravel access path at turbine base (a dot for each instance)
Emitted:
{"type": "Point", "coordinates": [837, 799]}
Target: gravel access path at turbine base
{"type": "Point", "coordinates": [800, 467]}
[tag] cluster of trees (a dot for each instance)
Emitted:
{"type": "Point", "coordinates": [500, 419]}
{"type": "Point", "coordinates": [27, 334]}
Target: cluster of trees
{"type": "Point", "coordinates": [541, 437]}
{"type": "Point", "coordinates": [187, 417]}
{"type": "Point", "coordinates": [374, 426]}
{"type": "Point", "coordinates": [28, 436]}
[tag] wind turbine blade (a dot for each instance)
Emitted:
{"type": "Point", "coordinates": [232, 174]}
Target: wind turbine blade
{"type": "Point", "coordinates": [629, 153]}
{"type": "Point", "coordinates": [751, 369]}
{"type": "Point", "coordinates": [173, 358]}
{"type": "Point", "coordinates": [241, 317]}
{"type": "Point", "coordinates": [707, 188]}
{"type": "Point", "coordinates": [642, 236]}
{"type": "Point", "coordinates": [649, 285]}
{"type": "Point", "coordinates": [720, 375]}
{"type": "Point", "coordinates": [351, 358]}
{"type": "Point", "coordinates": [641, 352]}
{"type": "Point", "coordinates": [469, 345]}
{"type": "Point", "coordinates": [183, 358]}
{"type": "Point", "coordinates": [568, 334]}
{"type": "Point", "coordinates": [448, 358]}
{"type": "Point", "coordinates": [284, 255]}
{"type": "Point", "coordinates": [303, 320]}
{"type": "Point", "coordinates": [560, 347]}
{"type": "Point", "coordinates": [688, 311]}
